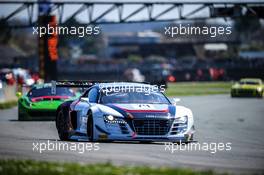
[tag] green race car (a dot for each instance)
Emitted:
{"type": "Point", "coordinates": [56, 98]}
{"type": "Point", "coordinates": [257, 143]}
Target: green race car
{"type": "Point", "coordinates": [248, 87]}
{"type": "Point", "coordinates": [41, 102]}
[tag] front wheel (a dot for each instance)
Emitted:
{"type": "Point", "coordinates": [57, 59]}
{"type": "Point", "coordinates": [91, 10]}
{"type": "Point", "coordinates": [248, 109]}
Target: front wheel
{"type": "Point", "coordinates": [63, 125]}
{"type": "Point", "coordinates": [90, 127]}
{"type": "Point", "coordinates": [191, 138]}
{"type": "Point", "coordinates": [260, 95]}
{"type": "Point", "coordinates": [21, 114]}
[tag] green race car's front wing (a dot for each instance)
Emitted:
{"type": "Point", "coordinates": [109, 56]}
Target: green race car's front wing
{"type": "Point", "coordinates": [44, 110]}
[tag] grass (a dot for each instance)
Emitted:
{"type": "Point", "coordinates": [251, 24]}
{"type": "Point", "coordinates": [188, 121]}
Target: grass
{"type": "Point", "coordinates": [23, 167]}
{"type": "Point", "coordinates": [8, 104]}
{"type": "Point", "coordinates": [198, 88]}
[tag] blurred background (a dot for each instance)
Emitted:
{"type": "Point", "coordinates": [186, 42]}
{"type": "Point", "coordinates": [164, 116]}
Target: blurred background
{"type": "Point", "coordinates": [131, 45]}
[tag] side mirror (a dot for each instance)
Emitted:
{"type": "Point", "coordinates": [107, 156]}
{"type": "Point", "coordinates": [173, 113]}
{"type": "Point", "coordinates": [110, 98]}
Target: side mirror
{"type": "Point", "coordinates": [84, 99]}
{"type": "Point", "coordinates": [19, 94]}
{"type": "Point", "coordinates": [174, 101]}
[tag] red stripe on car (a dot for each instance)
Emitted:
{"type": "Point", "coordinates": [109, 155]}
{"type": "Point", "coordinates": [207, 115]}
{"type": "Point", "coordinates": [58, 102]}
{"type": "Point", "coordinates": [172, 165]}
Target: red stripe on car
{"type": "Point", "coordinates": [49, 97]}
{"type": "Point", "coordinates": [144, 111]}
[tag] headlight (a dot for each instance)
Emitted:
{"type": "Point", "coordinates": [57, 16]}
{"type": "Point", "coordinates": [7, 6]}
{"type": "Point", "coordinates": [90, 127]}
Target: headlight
{"type": "Point", "coordinates": [259, 89]}
{"type": "Point", "coordinates": [181, 119]}
{"type": "Point", "coordinates": [110, 117]}
{"type": "Point", "coordinates": [113, 119]}
{"type": "Point", "coordinates": [236, 86]}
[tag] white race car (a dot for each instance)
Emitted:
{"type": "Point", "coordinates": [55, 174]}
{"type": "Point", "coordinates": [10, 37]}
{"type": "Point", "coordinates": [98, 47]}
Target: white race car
{"type": "Point", "coordinates": [124, 112]}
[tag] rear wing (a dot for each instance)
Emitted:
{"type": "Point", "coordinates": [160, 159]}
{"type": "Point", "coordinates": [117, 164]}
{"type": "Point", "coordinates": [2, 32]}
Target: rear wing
{"type": "Point", "coordinates": [71, 84]}
{"type": "Point", "coordinates": [82, 84]}
{"type": "Point", "coordinates": [77, 84]}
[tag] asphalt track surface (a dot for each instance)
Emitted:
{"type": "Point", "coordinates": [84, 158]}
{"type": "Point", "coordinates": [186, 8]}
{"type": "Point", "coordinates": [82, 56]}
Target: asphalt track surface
{"type": "Point", "coordinates": [218, 119]}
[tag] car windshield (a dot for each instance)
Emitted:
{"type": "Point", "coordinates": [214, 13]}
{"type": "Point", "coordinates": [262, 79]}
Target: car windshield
{"type": "Point", "coordinates": [134, 97]}
{"type": "Point", "coordinates": [46, 91]}
{"type": "Point", "coordinates": [249, 82]}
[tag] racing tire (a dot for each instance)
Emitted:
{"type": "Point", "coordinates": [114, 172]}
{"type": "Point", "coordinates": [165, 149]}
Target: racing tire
{"type": "Point", "coordinates": [90, 127]}
{"type": "Point", "coordinates": [186, 141]}
{"type": "Point", "coordinates": [260, 95]}
{"type": "Point", "coordinates": [63, 125]}
{"type": "Point", "coordinates": [191, 138]}
{"type": "Point", "coordinates": [232, 95]}
{"type": "Point", "coordinates": [21, 117]}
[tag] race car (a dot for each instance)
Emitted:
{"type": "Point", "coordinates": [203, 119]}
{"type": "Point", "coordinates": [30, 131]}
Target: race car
{"type": "Point", "coordinates": [248, 87]}
{"type": "Point", "coordinates": [41, 102]}
{"type": "Point", "coordinates": [124, 111]}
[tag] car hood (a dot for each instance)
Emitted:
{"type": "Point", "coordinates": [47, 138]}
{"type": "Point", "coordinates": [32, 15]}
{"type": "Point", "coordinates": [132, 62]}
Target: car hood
{"type": "Point", "coordinates": [47, 104]}
{"type": "Point", "coordinates": [145, 110]}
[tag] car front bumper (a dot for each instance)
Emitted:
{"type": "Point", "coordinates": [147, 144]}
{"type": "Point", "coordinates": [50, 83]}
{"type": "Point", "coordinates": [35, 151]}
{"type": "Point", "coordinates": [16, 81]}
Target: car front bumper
{"type": "Point", "coordinates": [245, 93]}
{"type": "Point", "coordinates": [35, 114]}
{"type": "Point", "coordinates": [116, 132]}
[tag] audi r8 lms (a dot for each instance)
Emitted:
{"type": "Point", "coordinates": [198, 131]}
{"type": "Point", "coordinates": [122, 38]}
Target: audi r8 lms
{"type": "Point", "coordinates": [249, 87]}
{"type": "Point", "coordinates": [41, 102]}
{"type": "Point", "coordinates": [124, 112]}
